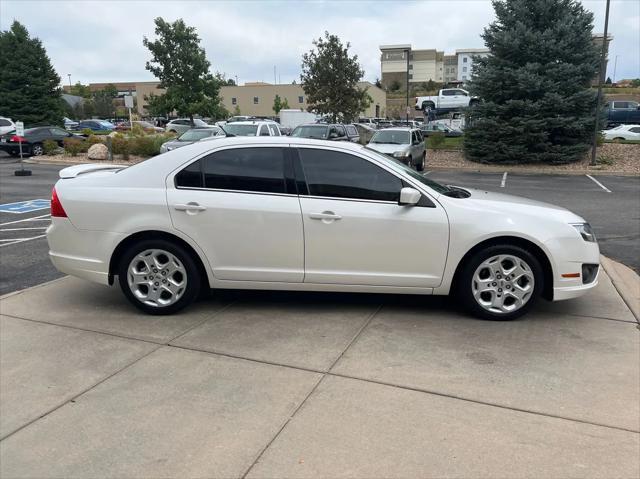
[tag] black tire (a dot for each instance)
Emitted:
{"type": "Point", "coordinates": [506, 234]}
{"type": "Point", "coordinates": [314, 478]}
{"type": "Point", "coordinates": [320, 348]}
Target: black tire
{"type": "Point", "coordinates": [410, 162]}
{"type": "Point", "coordinates": [464, 284]}
{"type": "Point", "coordinates": [420, 166]}
{"type": "Point", "coordinates": [193, 276]}
{"type": "Point", "coordinates": [37, 149]}
{"type": "Point", "coordinates": [473, 103]}
{"type": "Point", "coordinates": [427, 107]}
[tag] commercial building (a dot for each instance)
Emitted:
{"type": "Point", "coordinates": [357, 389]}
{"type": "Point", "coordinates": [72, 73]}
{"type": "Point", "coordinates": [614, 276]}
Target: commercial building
{"type": "Point", "coordinates": [450, 68]}
{"type": "Point", "coordinates": [250, 99]}
{"type": "Point", "coordinates": [465, 61]}
{"type": "Point", "coordinates": [423, 65]}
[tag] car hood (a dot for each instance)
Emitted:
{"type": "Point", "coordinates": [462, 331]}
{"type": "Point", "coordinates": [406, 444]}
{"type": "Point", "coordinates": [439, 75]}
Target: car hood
{"type": "Point", "coordinates": [500, 202]}
{"type": "Point", "coordinates": [388, 148]}
{"type": "Point", "coordinates": [173, 144]}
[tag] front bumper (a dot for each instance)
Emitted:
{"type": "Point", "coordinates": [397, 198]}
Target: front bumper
{"type": "Point", "coordinates": [569, 255]}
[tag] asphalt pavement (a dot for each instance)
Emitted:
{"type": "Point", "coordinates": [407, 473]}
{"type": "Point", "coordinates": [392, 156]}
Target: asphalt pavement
{"type": "Point", "coordinates": [612, 207]}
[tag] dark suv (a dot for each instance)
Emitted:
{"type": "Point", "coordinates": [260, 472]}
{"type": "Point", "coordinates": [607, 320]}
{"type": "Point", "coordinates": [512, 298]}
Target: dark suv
{"type": "Point", "coordinates": [327, 131]}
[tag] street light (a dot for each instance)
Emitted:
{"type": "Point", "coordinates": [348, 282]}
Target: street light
{"type": "Point", "coordinates": [69, 75]}
{"type": "Point", "coordinates": [601, 74]}
{"type": "Point", "coordinates": [407, 86]}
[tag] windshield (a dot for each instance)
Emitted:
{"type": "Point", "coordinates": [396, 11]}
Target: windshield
{"type": "Point", "coordinates": [198, 122]}
{"type": "Point", "coordinates": [399, 166]}
{"type": "Point", "coordinates": [392, 137]}
{"type": "Point", "coordinates": [311, 131]}
{"type": "Point", "coordinates": [106, 123]}
{"type": "Point", "coordinates": [195, 135]}
{"type": "Point", "coordinates": [241, 130]}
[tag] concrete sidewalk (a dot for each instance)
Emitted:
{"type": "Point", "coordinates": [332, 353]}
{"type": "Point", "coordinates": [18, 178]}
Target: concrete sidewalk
{"type": "Point", "coordinates": [270, 385]}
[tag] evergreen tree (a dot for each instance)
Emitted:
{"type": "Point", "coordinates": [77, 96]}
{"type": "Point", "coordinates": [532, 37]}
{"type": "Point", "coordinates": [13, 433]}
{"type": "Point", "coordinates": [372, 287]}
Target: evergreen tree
{"type": "Point", "coordinates": [536, 101]}
{"type": "Point", "coordinates": [29, 86]}
{"type": "Point", "coordinates": [330, 79]}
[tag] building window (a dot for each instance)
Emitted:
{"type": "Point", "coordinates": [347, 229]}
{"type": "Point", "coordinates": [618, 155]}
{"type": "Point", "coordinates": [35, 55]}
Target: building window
{"type": "Point", "coordinates": [256, 100]}
{"type": "Point", "coordinates": [410, 66]}
{"type": "Point", "coordinates": [410, 76]}
{"type": "Point", "coordinates": [464, 69]}
{"type": "Point", "coordinates": [464, 77]}
{"type": "Point", "coordinates": [300, 99]}
{"type": "Point", "coordinates": [234, 101]}
{"type": "Point", "coordinates": [464, 60]}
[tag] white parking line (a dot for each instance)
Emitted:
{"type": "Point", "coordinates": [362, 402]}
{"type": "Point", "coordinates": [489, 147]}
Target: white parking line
{"type": "Point", "coordinates": [23, 229]}
{"type": "Point", "coordinates": [598, 183]}
{"type": "Point", "coordinates": [504, 180]}
{"type": "Point", "coordinates": [17, 240]}
{"type": "Point", "coordinates": [426, 173]}
{"type": "Point", "coordinates": [35, 218]}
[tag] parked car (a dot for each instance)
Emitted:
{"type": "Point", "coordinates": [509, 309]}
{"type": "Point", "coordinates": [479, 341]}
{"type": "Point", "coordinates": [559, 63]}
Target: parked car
{"type": "Point", "coordinates": [429, 129]}
{"type": "Point", "coordinates": [403, 144]}
{"type": "Point", "coordinates": [291, 118]}
{"type": "Point", "coordinates": [623, 132]}
{"type": "Point", "coordinates": [97, 126]}
{"type": "Point", "coordinates": [146, 126]}
{"type": "Point", "coordinates": [33, 139]}
{"type": "Point", "coordinates": [70, 124]}
{"type": "Point", "coordinates": [191, 136]}
{"type": "Point", "coordinates": [181, 125]}
{"type": "Point", "coordinates": [252, 128]}
{"type": "Point", "coordinates": [328, 216]}
{"type": "Point", "coordinates": [447, 99]}
{"type": "Point", "coordinates": [6, 125]}
{"type": "Point", "coordinates": [405, 123]}
{"type": "Point", "coordinates": [327, 131]}
{"type": "Point", "coordinates": [622, 112]}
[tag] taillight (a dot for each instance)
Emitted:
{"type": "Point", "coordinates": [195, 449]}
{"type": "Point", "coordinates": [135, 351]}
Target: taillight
{"type": "Point", "coordinates": [16, 139]}
{"type": "Point", "coordinates": [57, 210]}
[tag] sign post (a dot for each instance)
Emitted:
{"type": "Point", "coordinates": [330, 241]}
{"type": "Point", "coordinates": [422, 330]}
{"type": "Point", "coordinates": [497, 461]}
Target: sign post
{"type": "Point", "coordinates": [128, 102]}
{"type": "Point", "coordinates": [20, 135]}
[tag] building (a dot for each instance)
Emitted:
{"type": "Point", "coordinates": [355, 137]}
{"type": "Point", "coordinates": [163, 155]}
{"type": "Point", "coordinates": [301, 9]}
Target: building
{"type": "Point", "coordinates": [598, 39]}
{"type": "Point", "coordinates": [250, 99]}
{"type": "Point", "coordinates": [465, 61]}
{"type": "Point", "coordinates": [423, 65]}
{"type": "Point", "coordinates": [450, 68]}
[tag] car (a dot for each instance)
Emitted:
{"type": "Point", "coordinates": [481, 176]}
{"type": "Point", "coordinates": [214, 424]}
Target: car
{"type": "Point", "coordinates": [191, 136]}
{"type": "Point", "coordinates": [283, 213]}
{"type": "Point", "coordinates": [6, 125]}
{"type": "Point", "coordinates": [622, 133]}
{"type": "Point", "coordinates": [70, 124]}
{"type": "Point", "coordinates": [429, 129]}
{"type": "Point", "coordinates": [253, 128]}
{"type": "Point", "coordinates": [97, 126]}
{"type": "Point", "coordinates": [327, 131]}
{"type": "Point", "coordinates": [33, 140]}
{"type": "Point", "coordinates": [181, 125]}
{"type": "Point", "coordinates": [447, 99]}
{"type": "Point", "coordinates": [406, 124]}
{"type": "Point", "coordinates": [403, 144]}
{"type": "Point", "coordinates": [146, 126]}
{"type": "Point", "coordinates": [622, 112]}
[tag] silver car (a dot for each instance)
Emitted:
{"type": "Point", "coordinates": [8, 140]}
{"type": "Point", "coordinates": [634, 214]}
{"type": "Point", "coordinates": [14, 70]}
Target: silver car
{"type": "Point", "coordinates": [403, 144]}
{"type": "Point", "coordinates": [181, 125]}
{"type": "Point", "coordinates": [191, 136]}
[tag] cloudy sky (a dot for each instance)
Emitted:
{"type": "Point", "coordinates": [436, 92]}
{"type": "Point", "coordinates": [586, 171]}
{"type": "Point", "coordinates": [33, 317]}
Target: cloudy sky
{"type": "Point", "coordinates": [101, 41]}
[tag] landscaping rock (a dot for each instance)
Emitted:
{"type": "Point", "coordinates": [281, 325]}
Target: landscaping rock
{"type": "Point", "coordinates": [98, 152]}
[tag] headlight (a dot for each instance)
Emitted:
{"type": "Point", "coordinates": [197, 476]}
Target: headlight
{"type": "Point", "coordinates": [585, 231]}
{"type": "Point", "coordinates": [399, 154]}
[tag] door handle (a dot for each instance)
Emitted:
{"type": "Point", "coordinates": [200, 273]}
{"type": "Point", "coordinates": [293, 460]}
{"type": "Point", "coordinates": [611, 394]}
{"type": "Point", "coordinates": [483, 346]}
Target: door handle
{"type": "Point", "coordinates": [325, 215]}
{"type": "Point", "coordinates": [191, 206]}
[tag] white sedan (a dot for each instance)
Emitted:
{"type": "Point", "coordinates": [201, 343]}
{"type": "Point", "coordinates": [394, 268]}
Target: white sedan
{"type": "Point", "coordinates": [623, 132]}
{"type": "Point", "coordinates": [297, 214]}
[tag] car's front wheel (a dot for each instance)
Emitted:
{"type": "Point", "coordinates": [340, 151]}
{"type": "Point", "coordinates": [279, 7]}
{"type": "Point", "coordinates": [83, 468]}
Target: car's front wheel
{"type": "Point", "coordinates": [501, 282]}
{"type": "Point", "coordinates": [37, 149]}
{"type": "Point", "coordinates": [158, 276]}
{"type": "Point", "coordinates": [421, 165]}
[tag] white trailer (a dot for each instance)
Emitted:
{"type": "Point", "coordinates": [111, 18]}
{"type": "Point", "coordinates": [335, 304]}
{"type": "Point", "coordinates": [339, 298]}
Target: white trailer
{"type": "Point", "coordinates": [292, 118]}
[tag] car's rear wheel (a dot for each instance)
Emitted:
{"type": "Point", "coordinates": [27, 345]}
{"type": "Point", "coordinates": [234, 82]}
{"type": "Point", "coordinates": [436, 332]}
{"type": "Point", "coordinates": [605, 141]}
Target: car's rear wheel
{"type": "Point", "coordinates": [500, 283]}
{"type": "Point", "coordinates": [423, 159]}
{"type": "Point", "coordinates": [158, 276]}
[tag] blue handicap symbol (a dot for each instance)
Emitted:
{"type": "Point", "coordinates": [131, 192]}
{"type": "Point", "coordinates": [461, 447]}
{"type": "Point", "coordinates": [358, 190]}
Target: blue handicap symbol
{"type": "Point", "coordinates": [25, 206]}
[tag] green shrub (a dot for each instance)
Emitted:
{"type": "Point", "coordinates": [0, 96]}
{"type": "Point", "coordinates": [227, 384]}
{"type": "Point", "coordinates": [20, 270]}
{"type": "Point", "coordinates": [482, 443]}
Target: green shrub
{"type": "Point", "coordinates": [87, 131]}
{"type": "Point", "coordinates": [120, 145]}
{"type": "Point", "coordinates": [436, 140]}
{"type": "Point", "coordinates": [49, 147]}
{"type": "Point", "coordinates": [143, 146]}
{"type": "Point", "coordinates": [605, 160]}
{"type": "Point", "coordinates": [93, 139]}
{"type": "Point", "coordinates": [73, 146]}
{"type": "Point", "coordinates": [137, 130]}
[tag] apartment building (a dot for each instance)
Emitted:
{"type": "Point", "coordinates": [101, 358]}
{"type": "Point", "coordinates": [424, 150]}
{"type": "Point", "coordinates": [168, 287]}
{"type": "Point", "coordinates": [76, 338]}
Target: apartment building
{"type": "Point", "coordinates": [465, 61]}
{"type": "Point", "coordinates": [450, 68]}
{"type": "Point", "coordinates": [423, 65]}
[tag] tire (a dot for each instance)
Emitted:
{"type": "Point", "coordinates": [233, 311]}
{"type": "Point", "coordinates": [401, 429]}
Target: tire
{"type": "Point", "coordinates": [477, 289]}
{"type": "Point", "coordinates": [37, 149]}
{"type": "Point", "coordinates": [410, 162]}
{"type": "Point", "coordinates": [168, 278]}
{"type": "Point", "coordinates": [420, 166]}
{"type": "Point", "coordinates": [473, 103]}
{"type": "Point", "coordinates": [427, 107]}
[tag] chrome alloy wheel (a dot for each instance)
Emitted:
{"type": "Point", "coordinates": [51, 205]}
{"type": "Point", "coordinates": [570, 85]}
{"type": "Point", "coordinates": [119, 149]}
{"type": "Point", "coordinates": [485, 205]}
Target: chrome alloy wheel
{"type": "Point", "coordinates": [156, 277]}
{"type": "Point", "coordinates": [503, 284]}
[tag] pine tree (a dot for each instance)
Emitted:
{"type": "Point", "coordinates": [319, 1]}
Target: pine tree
{"type": "Point", "coordinates": [537, 104]}
{"type": "Point", "coordinates": [29, 86]}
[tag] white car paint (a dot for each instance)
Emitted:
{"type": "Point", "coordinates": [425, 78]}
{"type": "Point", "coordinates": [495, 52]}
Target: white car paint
{"type": "Point", "coordinates": [6, 125]}
{"type": "Point", "coordinates": [252, 240]}
{"type": "Point", "coordinates": [623, 132]}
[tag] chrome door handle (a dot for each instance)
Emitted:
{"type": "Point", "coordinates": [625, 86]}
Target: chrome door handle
{"type": "Point", "coordinates": [190, 207]}
{"type": "Point", "coordinates": [325, 215]}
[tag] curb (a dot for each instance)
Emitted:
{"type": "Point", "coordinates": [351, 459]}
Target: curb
{"type": "Point", "coordinates": [530, 171]}
{"type": "Point", "coordinates": [626, 282]}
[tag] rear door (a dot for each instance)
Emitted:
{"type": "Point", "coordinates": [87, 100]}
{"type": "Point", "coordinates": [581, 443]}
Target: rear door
{"type": "Point", "coordinates": [237, 205]}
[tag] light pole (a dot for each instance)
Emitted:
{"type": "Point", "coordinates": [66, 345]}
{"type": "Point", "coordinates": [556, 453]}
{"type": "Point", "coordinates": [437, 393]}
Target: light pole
{"type": "Point", "coordinates": [601, 74]}
{"type": "Point", "coordinates": [407, 87]}
{"type": "Point", "coordinates": [69, 75]}
{"type": "Point", "coordinates": [615, 67]}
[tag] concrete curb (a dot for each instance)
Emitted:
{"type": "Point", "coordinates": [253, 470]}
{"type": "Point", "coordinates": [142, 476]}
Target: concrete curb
{"type": "Point", "coordinates": [530, 171]}
{"type": "Point", "coordinates": [626, 282]}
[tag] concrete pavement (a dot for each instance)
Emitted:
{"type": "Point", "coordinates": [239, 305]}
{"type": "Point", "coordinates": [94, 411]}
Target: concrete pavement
{"type": "Point", "coordinates": [258, 384]}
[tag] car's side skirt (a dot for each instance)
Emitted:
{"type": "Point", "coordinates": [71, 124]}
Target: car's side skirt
{"type": "Point", "coordinates": [341, 288]}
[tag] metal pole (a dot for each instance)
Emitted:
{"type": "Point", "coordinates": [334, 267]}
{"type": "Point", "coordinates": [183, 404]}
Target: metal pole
{"type": "Point", "coordinates": [615, 67]}
{"type": "Point", "coordinates": [69, 75]}
{"type": "Point", "coordinates": [407, 87]}
{"type": "Point", "coordinates": [601, 73]}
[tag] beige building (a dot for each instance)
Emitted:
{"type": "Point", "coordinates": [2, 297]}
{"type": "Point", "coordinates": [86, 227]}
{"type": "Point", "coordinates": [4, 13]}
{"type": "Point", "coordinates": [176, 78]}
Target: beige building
{"type": "Point", "coordinates": [423, 65]}
{"type": "Point", "coordinates": [251, 98]}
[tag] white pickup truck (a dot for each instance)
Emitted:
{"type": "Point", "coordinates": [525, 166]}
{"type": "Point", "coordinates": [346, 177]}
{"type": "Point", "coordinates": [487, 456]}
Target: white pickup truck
{"type": "Point", "coordinates": [448, 99]}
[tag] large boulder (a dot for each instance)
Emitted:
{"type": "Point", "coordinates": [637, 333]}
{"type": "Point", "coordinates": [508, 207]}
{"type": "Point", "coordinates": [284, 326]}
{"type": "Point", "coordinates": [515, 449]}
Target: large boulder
{"type": "Point", "coordinates": [98, 151]}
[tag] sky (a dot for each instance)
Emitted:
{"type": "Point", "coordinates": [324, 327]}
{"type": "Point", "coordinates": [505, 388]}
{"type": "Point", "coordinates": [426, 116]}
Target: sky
{"type": "Point", "coordinates": [101, 41]}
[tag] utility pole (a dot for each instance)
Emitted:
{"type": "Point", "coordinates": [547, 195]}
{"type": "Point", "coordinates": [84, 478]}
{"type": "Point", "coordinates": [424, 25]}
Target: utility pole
{"type": "Point", "coordinates": [407, 87]}
{"type": "Point", "coordinates": [601, 74]}
{"type": "Point", "coordinates": [69, 75]}
{"type": "Point", "coordinates": [615, 67]}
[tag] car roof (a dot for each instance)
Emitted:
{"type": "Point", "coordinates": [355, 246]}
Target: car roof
{"type": "Point", "coordinates": [400, 128]}
{"type": "Point", "coordinates": [251, 122]}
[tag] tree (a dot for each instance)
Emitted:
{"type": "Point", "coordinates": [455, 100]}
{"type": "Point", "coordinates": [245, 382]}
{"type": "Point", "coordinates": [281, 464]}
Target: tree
{"type": "Point", "coordinates": [29, 86]}
{"type": "Point", "coordinates": [178, 61]}
{"type": "Point", "coordinates": [536, 102]}
{"type": "Point", "coordinates": [80, 90]}
{"type": "Point", "coordinates": [236, 111]}
{"type": "Point", "coordinates": [608, 81]}
{"type": "Point", "coordinates": [280, 104]}
{"type": "Point", "coordinates": [330, 80]}
{"type": "Point", "coordinates": [635, 83]}
{"type": "Point", "coordinates": [395, 85]}
{"type": "Point", "coordinates": [231, 82]}
{"type": "Point", "coordinates": [377, 83]}
{"type": "Point", "coordinates": [103, 101]}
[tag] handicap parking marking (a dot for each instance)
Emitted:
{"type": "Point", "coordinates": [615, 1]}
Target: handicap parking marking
{"type": "Point", "coordinates": [28, 206]}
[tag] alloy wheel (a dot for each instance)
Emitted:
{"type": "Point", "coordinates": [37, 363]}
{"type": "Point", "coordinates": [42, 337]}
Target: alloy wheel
{"type": "Point", "coordinates": [157, 278]}
{"type": "Point", "coordinates": [37, 150]}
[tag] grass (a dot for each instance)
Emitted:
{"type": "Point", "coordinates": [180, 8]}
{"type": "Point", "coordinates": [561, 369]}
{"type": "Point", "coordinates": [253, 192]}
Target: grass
{"type": "Point", "coordinates": [453, 143]}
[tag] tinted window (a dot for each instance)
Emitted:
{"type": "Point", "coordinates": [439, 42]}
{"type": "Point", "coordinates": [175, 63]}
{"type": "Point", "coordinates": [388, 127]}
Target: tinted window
{"type": "Point", "coordinates": [248, 169]}
{"type": "Point", "coordinates": [241, 130]}
{"type": "Point", "coordinates": [4, 122]}
{"type": "Point", "coordinates": [341, 131]}
{"type": "Point", "coordinates": [310, 131]}
{"type": "Point", "coordinates": [264, 130]}
{"type": "Point", "coordinates": [274, 130]}
{"type": "Point", "coordinates": [190, 177]}
{"type": "Point", "coordinates": [635, 129]}
{"type": "Point", "coordinates": [339, 175]}
{"type": "Point", "coordinates": [448, 92]}
{"type": "Point", "coordinates": [352, 130]}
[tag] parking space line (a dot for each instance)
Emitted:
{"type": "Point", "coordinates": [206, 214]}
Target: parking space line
{"type": "Point", "coordinates": [35, 218]}
{"type": "Point", "coordinates": [426, 173]}
{"type": "Point", "coordinates": [18, 240]}
{"type": "Point", "coordinates": [598, 183]}
{"type": "Point", "coordinates": [504, 180]}
{"type": "Point", "coordinates": [24, 229]}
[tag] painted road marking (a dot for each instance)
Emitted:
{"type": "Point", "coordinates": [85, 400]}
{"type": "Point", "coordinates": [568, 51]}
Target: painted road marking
{"type": "Point", "coordinates": [35, 218]}
{"type": "Point", "coordinates": [24, 229]}
{"type": "Point", "coordinates": [25, 206]}
{"type": "Point", "coordinates": [598, 183]}
{"type": "Point", "coordinates": [426, 173]}
{"type": "Point", "coordinates": [504, 180]}
{"type": "Point", "coordinates": [9, 242]}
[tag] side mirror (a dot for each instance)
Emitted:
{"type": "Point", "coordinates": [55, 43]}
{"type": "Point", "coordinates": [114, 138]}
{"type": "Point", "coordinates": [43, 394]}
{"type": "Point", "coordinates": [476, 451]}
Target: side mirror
{"type": "Point", "coordinates": [333, 134]}
{"type": "Point", "coordinates": [409, 196]}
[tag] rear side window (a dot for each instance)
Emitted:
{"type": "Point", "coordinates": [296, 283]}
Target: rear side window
{"type": "Point", "coordinates": [352, 130]}
{"type": "Point", "coordinates": [245, 169]}
{"type": "Point", "coordinates": [341, 131]}
{"type": "Point", "coordinates": [190, 177]}
{"type": "Point", "coordinates": [340, 175]}
{"type": "Point", "coordinates": [4, 122]}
